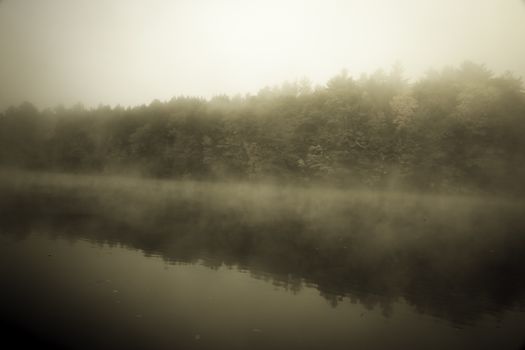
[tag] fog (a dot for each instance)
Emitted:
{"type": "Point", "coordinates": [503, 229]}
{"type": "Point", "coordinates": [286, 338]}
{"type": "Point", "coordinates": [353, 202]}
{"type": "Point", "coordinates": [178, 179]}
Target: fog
{"type": "Point", "coordinates": [131, 52]}
{"type": "Point", "coordinates": [451, 256]}
{"type": "Point", "coordinates": [262, 174]}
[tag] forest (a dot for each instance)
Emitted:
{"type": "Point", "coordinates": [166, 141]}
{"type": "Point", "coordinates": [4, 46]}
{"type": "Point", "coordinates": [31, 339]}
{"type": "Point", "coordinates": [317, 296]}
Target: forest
{"type": "Point", "coordinates": [458, 129]}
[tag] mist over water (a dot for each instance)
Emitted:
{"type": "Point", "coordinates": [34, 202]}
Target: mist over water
{"type": "Point", "coordinates": [266, 174]}
{"type": "Point", "coordinates": [373, 255]}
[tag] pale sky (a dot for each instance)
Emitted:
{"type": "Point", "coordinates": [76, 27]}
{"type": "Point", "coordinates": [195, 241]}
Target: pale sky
{"type": "Point", "coordinates": [130, 52]}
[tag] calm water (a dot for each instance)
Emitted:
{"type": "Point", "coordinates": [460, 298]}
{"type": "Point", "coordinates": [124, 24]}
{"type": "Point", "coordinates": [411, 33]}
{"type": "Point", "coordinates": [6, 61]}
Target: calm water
{"type": "Point", "coordinates": [200, 270]}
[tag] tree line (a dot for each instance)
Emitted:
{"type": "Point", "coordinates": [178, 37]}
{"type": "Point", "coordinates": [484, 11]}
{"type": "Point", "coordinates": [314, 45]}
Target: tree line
{"type": "Point", "coordinates": [459, 128]}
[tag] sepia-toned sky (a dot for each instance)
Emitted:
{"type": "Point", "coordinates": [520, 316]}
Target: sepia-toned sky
{"type": "Point", "coordinates": [130, 52]}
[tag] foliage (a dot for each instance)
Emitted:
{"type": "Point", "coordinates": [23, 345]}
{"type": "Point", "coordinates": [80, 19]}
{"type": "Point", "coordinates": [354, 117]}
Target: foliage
{"type": "Point", "coordinates": [454, 129]}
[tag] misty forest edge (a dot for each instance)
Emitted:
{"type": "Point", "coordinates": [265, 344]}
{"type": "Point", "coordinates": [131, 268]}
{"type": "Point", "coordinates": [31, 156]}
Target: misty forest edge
{"type": "Point", "coordinates": [458, 129]}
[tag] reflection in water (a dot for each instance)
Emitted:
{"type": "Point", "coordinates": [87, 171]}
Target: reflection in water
{"type": "Point", "coordinates": [457, 259]}
{"type": "Point", "coordinates": [111, 297]}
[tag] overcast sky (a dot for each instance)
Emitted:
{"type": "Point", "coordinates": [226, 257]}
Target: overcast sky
{"type": "Point", "coordinates": [130, 52]}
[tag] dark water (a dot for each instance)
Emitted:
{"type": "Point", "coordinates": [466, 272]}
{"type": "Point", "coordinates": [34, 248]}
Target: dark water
{"type": "Point", "coordinates": [142, 265]}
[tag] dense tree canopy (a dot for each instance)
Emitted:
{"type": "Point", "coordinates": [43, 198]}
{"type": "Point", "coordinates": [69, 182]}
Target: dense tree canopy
{"type": "Point", "coordinates": [454, 129]}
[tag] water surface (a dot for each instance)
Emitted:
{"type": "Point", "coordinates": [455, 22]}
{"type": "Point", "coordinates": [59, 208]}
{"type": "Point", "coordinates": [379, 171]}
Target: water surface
{"type": "Point", "coordinates": [90, 263]}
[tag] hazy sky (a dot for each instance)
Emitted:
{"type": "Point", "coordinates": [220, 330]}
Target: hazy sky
{"type": "Point", "coordinates": [132, 51]}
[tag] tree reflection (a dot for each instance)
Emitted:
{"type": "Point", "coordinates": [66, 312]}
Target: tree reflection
{"type": "Point", "coordinates": [453, 260]}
